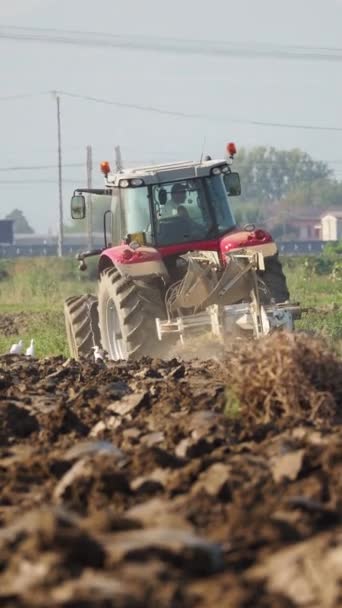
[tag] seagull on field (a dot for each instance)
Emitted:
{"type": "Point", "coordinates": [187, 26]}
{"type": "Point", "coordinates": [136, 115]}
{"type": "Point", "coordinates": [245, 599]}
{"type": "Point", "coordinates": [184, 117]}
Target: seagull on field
{"type": "Point", "coordinates": [30, 351]}
{"type": "Point", "coordinates": [98, 354]}
{"type": "Point", "coordinates": [16, 348]}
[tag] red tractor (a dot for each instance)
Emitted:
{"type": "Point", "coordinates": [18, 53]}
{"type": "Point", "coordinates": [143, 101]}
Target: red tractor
{"type": "Point", "coordinates": [177, 263]}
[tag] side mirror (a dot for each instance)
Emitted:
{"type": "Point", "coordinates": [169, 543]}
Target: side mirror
{"type": "Point", "coordinates": [232, 184]}
{"type": "Point", "coordinates": [78, 207]}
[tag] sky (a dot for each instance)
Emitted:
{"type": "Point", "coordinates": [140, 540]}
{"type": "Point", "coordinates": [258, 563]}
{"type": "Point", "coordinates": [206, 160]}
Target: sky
{"type": "Point", "coordinates": [226, 92]}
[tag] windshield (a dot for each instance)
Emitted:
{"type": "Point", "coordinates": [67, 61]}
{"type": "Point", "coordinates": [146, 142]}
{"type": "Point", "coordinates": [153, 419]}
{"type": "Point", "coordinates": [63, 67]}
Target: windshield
{"type": "Point", "coordinates": [219, 199]}
{"type": "Point", "coordinates": [181, 211]}
{"type": "Point", "coordinates": [185, 211]}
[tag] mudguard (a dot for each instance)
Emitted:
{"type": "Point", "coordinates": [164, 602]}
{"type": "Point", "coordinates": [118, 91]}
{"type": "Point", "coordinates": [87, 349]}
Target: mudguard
{"type": "Point", "coordinates": [137, 263]}
{"type": "Point", "coordinates": [255, 240]}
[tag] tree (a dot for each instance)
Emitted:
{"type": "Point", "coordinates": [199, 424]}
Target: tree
{"type": "Point", "coordinates": [247, 213]}
{"type": "Point", "coordinates": [21, 225]}
{"type": "Point", "coordinates": [319, 193]}
{"type": "Point", "coordinates": [268, 174]}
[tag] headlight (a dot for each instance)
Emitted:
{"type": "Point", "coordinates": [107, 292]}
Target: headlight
{"type": "Point", "coordinates": [137, 182]}
{"type": "Point", "coordinates": [216, 171]}
{"type": "Point", "coordinates": [124, 183]}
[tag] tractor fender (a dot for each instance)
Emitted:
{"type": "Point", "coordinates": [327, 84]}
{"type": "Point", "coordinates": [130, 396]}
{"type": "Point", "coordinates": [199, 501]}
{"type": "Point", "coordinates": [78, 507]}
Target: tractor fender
{"type": "Point", "coordinates": [137, 263]}
{"type": "Point", "coordinates": [255, 240]}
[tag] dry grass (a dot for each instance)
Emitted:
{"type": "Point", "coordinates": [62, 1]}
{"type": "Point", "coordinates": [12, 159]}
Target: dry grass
{"type": "Point", "coordinates": [284, 375]}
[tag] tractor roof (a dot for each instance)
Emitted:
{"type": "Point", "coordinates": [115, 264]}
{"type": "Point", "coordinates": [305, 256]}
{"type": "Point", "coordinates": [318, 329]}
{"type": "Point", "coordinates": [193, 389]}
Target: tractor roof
{"type": "Point", "coordinates": [154, 174]}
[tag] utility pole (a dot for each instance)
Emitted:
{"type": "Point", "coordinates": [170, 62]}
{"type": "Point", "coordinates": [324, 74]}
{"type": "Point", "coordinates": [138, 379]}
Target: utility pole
{"type": "Point", "coordinates": [60, 179]}
{"type": "Point", "coordinates": [89, 198]}
{"type": "Point", "coordinates": [118, 159]}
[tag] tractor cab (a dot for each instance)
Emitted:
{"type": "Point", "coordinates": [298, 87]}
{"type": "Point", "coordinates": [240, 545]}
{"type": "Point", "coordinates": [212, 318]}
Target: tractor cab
{"type": "Point", "coordinates": [167, 206]}
{"type": "Point", "coordinates": [172, 212]}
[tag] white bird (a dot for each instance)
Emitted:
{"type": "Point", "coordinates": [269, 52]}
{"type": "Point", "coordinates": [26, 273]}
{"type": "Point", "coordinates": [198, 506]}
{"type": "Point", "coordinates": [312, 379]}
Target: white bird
{"type": "Point", "coordinates": [16, 348]}
{"type": "Point", "coordinates": [30, 351]}
{"type": "Point", "coordinates": [98, 354]}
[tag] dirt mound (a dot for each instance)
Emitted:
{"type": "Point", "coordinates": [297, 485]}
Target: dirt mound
{"type": "Point", "coordinates": [287, 375]}
{"type": "Point", "coordinates": [14, 324]}
{"type": "Point", "coordinates": [134, 485]}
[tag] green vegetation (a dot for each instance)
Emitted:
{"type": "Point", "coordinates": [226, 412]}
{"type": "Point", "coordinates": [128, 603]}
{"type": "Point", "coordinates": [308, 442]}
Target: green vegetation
{"type": "Point", "coordinates": [46, 329]}
{"type": "Point", "coordinates": [32, 292]}
{"type": "Point", "coordinates": [268, 174]}
{"type": "Point", "coordinates": [39, 284]}
{"type": "Point", "coordinates": [280, 184]}
{"type": "Point", "coordinates": [317, 281]}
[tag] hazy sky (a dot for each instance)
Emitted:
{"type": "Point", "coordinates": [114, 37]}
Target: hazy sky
{"type": "Point", "coordinates": [231, 89]}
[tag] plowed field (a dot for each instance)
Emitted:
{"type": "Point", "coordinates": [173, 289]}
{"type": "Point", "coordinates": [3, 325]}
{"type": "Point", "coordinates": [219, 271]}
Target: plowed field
{"type": "Point", "coordinates": [173, 484]}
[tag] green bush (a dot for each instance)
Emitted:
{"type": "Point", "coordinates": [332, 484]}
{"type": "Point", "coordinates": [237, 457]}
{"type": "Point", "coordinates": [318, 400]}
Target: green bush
{"type": "Point", "coordinates": [333, 249]}
{"type": "Point", "coordinates": [318, 265]}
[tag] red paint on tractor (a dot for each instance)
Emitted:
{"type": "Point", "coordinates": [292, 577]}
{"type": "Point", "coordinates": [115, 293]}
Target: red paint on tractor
{"type": "Point", "coordinates": [123, 254]}
{"type": "Point", "coordinates": [180, 248]}
{"type": "Point", "coordinates": [235, 239]}
{"type": "Point", "coordinates": [242, 239]}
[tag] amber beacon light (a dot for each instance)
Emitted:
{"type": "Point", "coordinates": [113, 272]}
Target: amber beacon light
{"type": "Point", "coordinates": [105, 167]}
{"type": "Point", "coordinates": [231, 149]}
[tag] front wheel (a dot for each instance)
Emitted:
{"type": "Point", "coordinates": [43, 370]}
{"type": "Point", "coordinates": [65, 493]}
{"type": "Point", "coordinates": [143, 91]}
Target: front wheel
{"type": "Point", "coordinates": [81, 324]}
{"type": "Point", "coordinates": [127, 313]}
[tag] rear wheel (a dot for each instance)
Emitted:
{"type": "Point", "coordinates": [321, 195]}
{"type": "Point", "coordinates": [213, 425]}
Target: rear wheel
{"type": "Point", "coordinates": [81, 323]}
{"type": "Point", "coordinates": [127, 312]}
{"type": "Point", "coordinates": [274, 281]}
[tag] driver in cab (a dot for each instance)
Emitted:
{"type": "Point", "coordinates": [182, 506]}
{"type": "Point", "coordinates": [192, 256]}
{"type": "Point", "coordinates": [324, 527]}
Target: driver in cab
{"type": "Point", "coordinates": [175, 204]}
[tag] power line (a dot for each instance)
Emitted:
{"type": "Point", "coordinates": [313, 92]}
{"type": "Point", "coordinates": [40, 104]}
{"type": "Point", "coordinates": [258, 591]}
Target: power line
{"type": "Point", "coordinates": [146, 38]}
{"type": "Point", "coordinates": [21, 95]}
{"type": "Point", "coordinates": [65, 181]}
{"type": "Point", "coordinates": [69, 165]}
{"type": "Point", "coordinates": [283, 125]}
{"type": "Point", "coordinates": [38, 167]}
{"type": "Point", "coordinates": [257, 163]}
{"type": "Point", "coordinates": [179, 114]}
{"type": "Point", "coordinates": [211, 117]}
{"type": "Point", "coordinates": [37, 181]}
{"type": "Point", "coordinates": [133, 106]}
{"type": "Point", "coordinates": [170, 45]}
{"type": "Point", "coordinates": [42, 167]}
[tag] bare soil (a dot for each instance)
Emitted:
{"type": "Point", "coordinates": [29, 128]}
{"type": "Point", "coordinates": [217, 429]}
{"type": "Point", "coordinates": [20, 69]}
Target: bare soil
{"type": "Point", "coordinates": [173, 484]}
{"type": "Point", "coordinates": [13, 324]}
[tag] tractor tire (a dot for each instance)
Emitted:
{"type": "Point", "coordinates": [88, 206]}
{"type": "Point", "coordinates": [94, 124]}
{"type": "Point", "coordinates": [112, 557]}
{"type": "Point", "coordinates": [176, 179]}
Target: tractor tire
{"type": "Point", "coordinates": [274, 281]}
{"type": "Point", "coordinates": [82, 325]}
{"type": "Point", "coordinates": [127, 312]}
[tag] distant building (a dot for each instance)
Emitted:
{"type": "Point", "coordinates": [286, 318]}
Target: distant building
{"type": "Point", "coordinates": [308, 228]}
{"type": "Point", "coordinates": [6, 232]}
{"type": "Point", "coordinates": [331, 222]}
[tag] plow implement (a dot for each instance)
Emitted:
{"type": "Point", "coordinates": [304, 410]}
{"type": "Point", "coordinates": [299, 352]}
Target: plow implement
{"type": "Point", "coordinates": [229, 306]}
